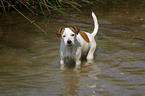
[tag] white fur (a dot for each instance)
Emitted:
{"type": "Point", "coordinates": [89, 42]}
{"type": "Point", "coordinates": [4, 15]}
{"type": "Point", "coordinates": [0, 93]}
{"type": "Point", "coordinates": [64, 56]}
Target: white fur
{"type": "Point", "coordinates": [78, 46]}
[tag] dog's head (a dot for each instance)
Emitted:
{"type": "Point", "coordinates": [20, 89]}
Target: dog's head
{"type": "Point", "coordinates": [68, 35]}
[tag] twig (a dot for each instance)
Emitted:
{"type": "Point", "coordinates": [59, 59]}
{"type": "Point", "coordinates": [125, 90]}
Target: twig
{"type": "Point", "coordinates": [3, 7]}
{"type": "Point", "coordinates": [26, 6]}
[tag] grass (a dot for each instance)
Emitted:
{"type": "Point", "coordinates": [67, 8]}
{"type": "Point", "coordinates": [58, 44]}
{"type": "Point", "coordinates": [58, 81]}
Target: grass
{"type": "Point", "coordinates": [40, 6]}
{"type": "Point", "coordinates": [45, 7]}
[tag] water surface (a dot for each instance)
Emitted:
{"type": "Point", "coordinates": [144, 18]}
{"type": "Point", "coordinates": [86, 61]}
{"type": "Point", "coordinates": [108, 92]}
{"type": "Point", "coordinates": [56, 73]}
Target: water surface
{"type": "Point", "coordinates": [29, 61]}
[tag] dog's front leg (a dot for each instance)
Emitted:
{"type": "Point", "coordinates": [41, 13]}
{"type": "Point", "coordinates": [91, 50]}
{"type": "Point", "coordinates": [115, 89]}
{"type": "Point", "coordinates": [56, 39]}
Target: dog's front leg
{"type": "Point", "coordinates": [78, 58]}
{"type": "Point", "coordinates": [78, 63]}
{"type": "Point", "coordinates": [62, 65]}
{"type": "Point", "coordinates": [62, 61]}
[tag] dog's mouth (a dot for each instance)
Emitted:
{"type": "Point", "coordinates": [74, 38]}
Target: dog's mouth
{"type": "Point", "coordinates": [69, 43]}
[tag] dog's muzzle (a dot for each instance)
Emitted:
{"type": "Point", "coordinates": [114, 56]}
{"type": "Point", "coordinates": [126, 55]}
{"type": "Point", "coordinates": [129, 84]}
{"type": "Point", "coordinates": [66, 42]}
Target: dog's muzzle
{"type": "Point", "coordinates": [69, 43]}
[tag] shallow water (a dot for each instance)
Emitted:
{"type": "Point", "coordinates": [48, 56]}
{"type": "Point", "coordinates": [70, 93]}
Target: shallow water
{"type": "Point", "coordinates": [29, 61]}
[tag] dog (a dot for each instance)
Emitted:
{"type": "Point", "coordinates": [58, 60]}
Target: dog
{"type": "Point", "coordinates": [76, 43]}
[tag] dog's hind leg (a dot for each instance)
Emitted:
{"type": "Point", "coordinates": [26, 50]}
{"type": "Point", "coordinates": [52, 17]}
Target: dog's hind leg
{"type": "Point", "coordinates": [90, 55]}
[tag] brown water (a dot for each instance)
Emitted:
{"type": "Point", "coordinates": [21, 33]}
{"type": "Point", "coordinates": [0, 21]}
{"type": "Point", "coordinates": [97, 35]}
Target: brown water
{"type": "Point", "coordinates": [29, 61]}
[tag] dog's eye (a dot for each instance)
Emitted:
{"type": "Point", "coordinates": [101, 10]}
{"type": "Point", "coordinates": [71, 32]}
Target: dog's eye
{"type": "Point", "coordinates": [63, 35]}
{"type": "Point", "coordinates": [73, 35]}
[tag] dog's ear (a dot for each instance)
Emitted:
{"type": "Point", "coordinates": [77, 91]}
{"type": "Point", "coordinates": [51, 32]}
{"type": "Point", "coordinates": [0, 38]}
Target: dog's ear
{"type": "Point", "coordinates": [59, 32]}
{"type": "Point", "coordinates": [75, 29]}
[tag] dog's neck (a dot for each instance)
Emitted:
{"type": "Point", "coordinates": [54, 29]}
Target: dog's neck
{"type": "Point", "coordinates": [69, 51]}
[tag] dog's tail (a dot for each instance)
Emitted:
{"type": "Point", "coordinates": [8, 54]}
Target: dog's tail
{"type": "Point", "coordinates": [95, 24]}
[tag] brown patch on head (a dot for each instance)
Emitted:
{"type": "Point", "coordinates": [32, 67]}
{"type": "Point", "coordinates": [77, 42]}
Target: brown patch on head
{"type": "Point", "coordinates": [75, 29]}
{"type": "Point", "coordinates": [85, 37]}
{"type": "Point", "coordinates": [59, 32]}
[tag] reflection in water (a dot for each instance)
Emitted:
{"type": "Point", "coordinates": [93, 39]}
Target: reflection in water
{"type": "Point", "coordinates": [71, 82]}
{"type": "Point", "coordinates": [29, 61]}
{"type": "Point", "coordinates": [75, 81]}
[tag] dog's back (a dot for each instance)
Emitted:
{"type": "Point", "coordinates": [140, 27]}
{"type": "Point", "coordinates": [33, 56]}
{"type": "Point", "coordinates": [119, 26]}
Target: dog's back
{"type": "Point", "coordinates": [87, 39]}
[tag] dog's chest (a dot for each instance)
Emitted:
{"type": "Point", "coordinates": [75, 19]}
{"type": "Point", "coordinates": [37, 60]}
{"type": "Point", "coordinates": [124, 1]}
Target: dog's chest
{"type": "Point", "coordinates": [69, 53]}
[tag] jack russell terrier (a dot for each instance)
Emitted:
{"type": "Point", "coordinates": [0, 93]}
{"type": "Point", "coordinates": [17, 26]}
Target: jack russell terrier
{"type": "Point", "coordinates": [76, 43]}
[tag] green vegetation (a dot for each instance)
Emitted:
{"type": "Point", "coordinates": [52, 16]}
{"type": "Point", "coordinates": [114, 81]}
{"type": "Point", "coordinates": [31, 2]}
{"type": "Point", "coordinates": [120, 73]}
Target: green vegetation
{"type": "Point", "coordinates": [46, 6]}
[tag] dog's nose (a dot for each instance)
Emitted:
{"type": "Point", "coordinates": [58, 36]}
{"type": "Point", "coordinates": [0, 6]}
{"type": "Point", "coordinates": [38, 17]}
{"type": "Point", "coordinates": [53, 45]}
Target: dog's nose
{"type": "Point", "coordinates": [69, 42]}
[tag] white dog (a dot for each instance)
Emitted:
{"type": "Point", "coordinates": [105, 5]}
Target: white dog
{"type": "Point", "coordinates": [76, 43]}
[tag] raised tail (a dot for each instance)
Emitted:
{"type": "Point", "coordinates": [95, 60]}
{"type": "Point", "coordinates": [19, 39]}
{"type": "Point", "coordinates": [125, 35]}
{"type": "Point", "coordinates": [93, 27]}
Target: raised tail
{"type": "Point", "coordinates": [96, 26]}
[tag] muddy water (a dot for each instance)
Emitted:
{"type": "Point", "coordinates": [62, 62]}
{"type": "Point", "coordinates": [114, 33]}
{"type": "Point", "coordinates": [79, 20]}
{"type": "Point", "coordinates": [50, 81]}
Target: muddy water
{"type": "Point", "coordinates": [29, 61]}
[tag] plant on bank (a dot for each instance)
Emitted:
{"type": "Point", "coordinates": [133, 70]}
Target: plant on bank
{"type": "Point", "coordinates": [39, 6]}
